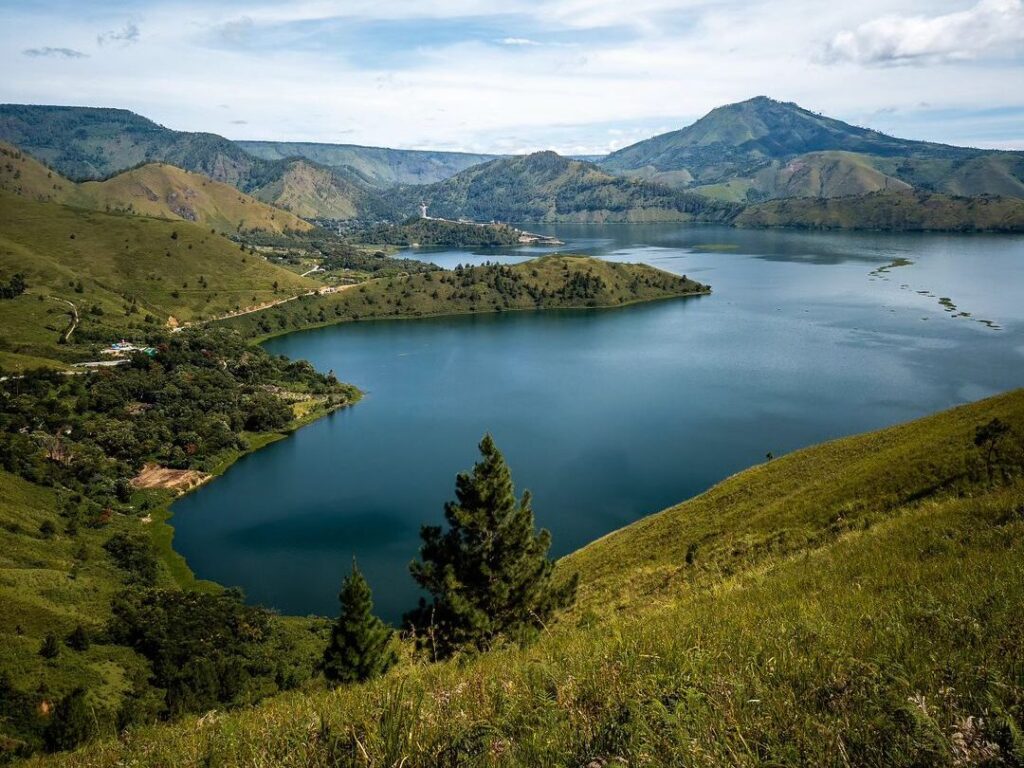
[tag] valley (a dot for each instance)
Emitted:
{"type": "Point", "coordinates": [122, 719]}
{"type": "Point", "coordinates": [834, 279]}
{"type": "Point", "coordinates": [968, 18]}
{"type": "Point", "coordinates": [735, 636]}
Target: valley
{"type": "Point", "coordinates": [761, 375]}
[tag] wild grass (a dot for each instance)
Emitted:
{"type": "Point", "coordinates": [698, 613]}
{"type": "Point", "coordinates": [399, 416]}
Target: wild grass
{"type": "Point", "coordinates": [881, 627]}
{"type": "Point", "coordinates": [122, 272]}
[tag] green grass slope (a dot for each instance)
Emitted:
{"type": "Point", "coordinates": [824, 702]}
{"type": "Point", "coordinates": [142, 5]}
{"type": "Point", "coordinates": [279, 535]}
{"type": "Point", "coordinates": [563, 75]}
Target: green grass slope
{"type": "Point", "coordinates": [549, 282]}
{"type": "Point", "coordinates": [380, 166]}
{"type": "Point", "coordinates": [757, 149]}
{"type": "Point", "coordinates": [85, 143]}
{"type": "Point", "coordinates": [157, 189]}
{"type": "Point", "coordinates": [890, 211]}
{"type": "Point", "coordinates": [855, 603]}
{"type": "Point", "coordinates": [547, 187]}
{"type": "Point", "coordinates": [119, 273]}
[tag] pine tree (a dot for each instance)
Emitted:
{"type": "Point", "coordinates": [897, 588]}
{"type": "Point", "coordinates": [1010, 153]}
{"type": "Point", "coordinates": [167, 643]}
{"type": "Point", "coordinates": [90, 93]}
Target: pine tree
{"type": "Point", "coordinates": [73, 722]}
{"type": "Point", "coordinates": [360, 646]}
{"type": "Point", "coordinates": [489, 573]}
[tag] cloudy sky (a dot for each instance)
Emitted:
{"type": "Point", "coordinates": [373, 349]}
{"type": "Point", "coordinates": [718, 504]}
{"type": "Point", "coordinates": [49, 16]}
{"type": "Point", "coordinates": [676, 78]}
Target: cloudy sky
{"type": "Point", "coordinates": [578, 76]}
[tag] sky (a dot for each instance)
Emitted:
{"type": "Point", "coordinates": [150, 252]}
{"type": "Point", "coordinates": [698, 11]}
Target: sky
{"type": "Point", "coordinates": [576, 76]}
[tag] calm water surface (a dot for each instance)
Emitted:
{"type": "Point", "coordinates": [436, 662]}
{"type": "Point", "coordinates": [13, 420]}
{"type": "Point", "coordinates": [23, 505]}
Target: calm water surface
{"type": "Point", "coordinates": [608, 415]}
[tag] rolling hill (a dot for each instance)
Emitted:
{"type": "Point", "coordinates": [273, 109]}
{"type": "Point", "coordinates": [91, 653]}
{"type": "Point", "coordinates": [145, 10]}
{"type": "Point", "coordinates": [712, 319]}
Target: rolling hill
{"type": "Point", "coordinates": [547, 187]}
{"type": "Point", "coordinates": [751, 150]}
{"type": "Point", "coordinates": [854, 603]}
{"type": "Point", "coordinates": [85, 143]}
{"type": "Point", "coordinates": [156, 189]}
{"type": "Point", "coordinates": [109, 275]}
{"type": "Point", "coordinates": [377, 165]}
{"type": "Point", "coordinates": [903, 211]}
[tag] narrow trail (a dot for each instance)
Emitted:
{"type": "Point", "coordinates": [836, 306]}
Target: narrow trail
{"type": "Point", "coordinates": [266, 305]}
{"type": "Point", "coordinates": [74, 318]}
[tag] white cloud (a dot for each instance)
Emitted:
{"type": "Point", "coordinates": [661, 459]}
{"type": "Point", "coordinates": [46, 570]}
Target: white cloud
{"type": "Point", "coordinates": [126, 35]}
{"type": "Point", "coordinates": [518, 41]}
{"type": "Point", "coordinates": [60, 53]}
{"type": "Point", "coordinates": [990, 27]}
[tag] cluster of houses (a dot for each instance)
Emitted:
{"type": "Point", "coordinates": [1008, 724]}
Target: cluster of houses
{"type": "Point", "coordinates": [124, 348]}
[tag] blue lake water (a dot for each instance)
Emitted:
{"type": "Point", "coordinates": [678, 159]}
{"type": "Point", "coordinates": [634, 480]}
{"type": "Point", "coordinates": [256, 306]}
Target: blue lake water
{"type": "Point", "coordinates": [608, 415]}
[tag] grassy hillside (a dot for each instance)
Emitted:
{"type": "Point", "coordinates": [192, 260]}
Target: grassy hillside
{"type": "Point", "coordinates": [85, 143]}
{"type": "Point", "coordinates": [761, 148]}
{"type": "Point", "coordinates": [547, 187]}
{"type": "Point", "coordinates": [890, 211]}
{"type": "Point", "coordinates": [377, 165]}
{"type": "Point", "coordinates": [312, 191]}
{"type": "Point", "coordinates": [855, 603]}
{"type": "Point", "coordinates": [76, 530]}
{"type": "Point", "coordinates": [166, 192]}
{"type": "Point", "coordinates": [157, 190]}
{"type": "Point", "coordinates": [549, 282]}
{"type": "Point", "coordinates": [120, 274]}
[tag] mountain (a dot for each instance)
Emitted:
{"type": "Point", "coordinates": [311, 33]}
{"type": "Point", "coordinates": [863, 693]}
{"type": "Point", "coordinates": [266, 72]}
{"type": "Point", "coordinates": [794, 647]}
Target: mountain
{"type": "Point", "coordinates": [752, 151]}
{"type": "Point", "coordinates": [547, 187]}
{"type": "Point", "coordinates": [376, 165]}
{"type": "Point", "coordinates": [156, 189]}
{"type": "Point", "coordinates": [907, 211]}
{"type": "Point", "coordinates": [316, 192]}
{"type": "Point", "coordinates": [86, 143]}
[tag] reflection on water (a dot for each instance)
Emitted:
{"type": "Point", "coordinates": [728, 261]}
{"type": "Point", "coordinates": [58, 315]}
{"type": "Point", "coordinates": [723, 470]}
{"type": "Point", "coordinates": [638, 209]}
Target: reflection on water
{"type": "Point", "coordinates": [609, 415]}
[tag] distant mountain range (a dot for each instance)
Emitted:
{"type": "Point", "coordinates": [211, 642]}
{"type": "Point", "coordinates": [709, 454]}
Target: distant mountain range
{"type": "Point", "coordinates": [376, 166]}
{"type": "Point", "coordinates": [547, 187]}
{"type": "Point", "coordinates": [761, 149]}
{"type": "Point", "coordinates": [738, 155]}
{"type": "Point", "coordinates": [156, 189]}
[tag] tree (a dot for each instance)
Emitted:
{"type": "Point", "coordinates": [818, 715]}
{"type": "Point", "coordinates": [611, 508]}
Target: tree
{"type": "Point", "coordinates": [987, 438]}
{"type": "Point", "coordinates": [489, 573]}
{"type": "Point", "coordinates": [50, 649]}
{"type": "Point", "coordinates": [73, 722]}
{"type": "Point", "coordinates": [79, 639]}
{"type": "Point", "coordinates": [360, 646]}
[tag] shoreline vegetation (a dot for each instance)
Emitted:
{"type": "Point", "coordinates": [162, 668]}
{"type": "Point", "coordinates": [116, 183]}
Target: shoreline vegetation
{"type": "Point", "coordinates": [197, 401]}
{"type": "Point", "coordinates": [922, 517]}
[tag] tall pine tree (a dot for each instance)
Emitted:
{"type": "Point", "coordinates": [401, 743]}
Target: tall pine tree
{"type": "Point", "coordinates": [360, 646]}
{"type": "Point", "coordinates": [489, 573]}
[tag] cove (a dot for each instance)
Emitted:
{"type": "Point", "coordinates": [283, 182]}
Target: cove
{"type": "Point", "coordinates": [608, 415]}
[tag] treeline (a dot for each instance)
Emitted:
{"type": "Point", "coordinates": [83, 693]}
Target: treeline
{"type": "Point", "coordinates": [447, 234]}
{"type": "Point", "coordinates": [194, 404]}
{"type": "Point", "coordinates": [545, 283]}
{"type": "Point", "coordinates": [13, 287]}
{"type": "Point", "coordinates": [335, 251]}
{"type": "Point", "coordinates": [185, 407]}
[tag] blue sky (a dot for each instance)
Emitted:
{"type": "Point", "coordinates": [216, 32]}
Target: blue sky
{"type": "Point", "coordinates": [577, 76]}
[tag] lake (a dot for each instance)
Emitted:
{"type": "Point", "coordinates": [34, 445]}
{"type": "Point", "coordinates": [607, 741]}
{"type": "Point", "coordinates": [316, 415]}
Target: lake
{"type": "Point", "coordinates": [608, 415]}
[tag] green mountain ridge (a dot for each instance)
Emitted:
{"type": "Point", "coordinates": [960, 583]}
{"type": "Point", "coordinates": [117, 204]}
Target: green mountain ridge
{"type": "Point", "coordinates": [86, 143]}
{"type": "Point", "coordinates": [379, 166]}
{"type": "Point", "coordinates": [547, 187]}
{"type": "Point", "coordinates": [750, 144]}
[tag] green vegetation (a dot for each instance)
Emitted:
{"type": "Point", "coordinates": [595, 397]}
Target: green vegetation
{"type": "Point", "coordinates": [155, 189]}
{"type": "Point", "coordinates": [890, 211]}
{"type": "Point", "coordinates": [84, 143]}
{"type": "Point", "coordinates": [96, 277]}
{"type": "Point", "coordinates": [340, 260]}
{"type": "Point", "coordinates": [549, 282]}
{"type": "Point", "coordinates": [361, 646]}
{"type": "Point", "coordinates": [546, 187]}
{"type": "Point", "coordinates": [761, 148]}
{"type": "Point", "coordinates": [378, 166]}
{"type": "Point", "coordinates": [855, 603]}
{"type": "Point", "coordinates": [447, 234]}
{"type": "Point", "coordinates": [489, 572]}
{"type": "Point", "coordinates": [89, 588]}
